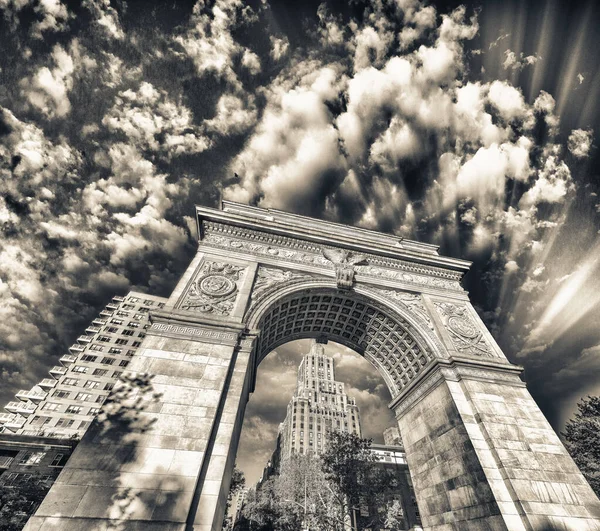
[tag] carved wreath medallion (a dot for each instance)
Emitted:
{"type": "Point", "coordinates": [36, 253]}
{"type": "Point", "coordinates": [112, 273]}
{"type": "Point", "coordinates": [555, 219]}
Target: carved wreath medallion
{"type": "Point", "coordinates": [214, 290]}
{"type": "Point", "coordinates": [466, 335]}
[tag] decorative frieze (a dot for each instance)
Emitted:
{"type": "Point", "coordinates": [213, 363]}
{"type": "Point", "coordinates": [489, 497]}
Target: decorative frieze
{"type": "Point", "coordinates": [203, 333]}
{"type": "Point", "coordinates": [411, 301]}
{"type": "Point", "coordinates": [263, 244]}
{"type": "Point", "coordinates": [214, 289]}
{"type": "Point", "coordinates": [270, 277]}
{"type": "Point", "coordinates": [464, 332]}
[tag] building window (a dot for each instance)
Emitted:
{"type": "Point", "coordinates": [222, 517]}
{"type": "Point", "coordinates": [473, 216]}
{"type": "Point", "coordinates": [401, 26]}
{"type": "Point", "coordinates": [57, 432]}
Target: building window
{"type": "Point", "coordinates": [79, 368]}
{"type": "Point", "coordinates": [97, 348]}
{"type": "Point", "coordinates": [121, 341]}
{"type": "Point", "coordinates": [130, 353]}
{"type": "Point", "coordinates": [117, 321]}
{"type": "Point", "coordinates": [136, 344]}
{"type": "Point", "coordinates": [70, 381]}
{"type": "Point", "coordinates": [133, 299]}
{"type": "Point", "coordinates": [50, 406]}
{"type": "Point", "coordinates": [127, 333]}
{"type": "Point", "coordinates": [61, 394]}
{"type": "Point", "coordinates": [87, 357]}
{"type": "Point", "coordinates": [114, 350]}
{"type": "Point", "coordinates": [40, 421]}
{"type": "Point", "coordinates": [104, 339]}
{"type": "Point", "coordinates": [93, 411]}
{"type": "Point", "coordinates": [59, 459]}
{"type": "Point", "coordinates": [74, 409]}
{"type": "Point", "coordinates": [142, 335]}
{"type": "Point", "coordinates": [99, 372]}
{"type": "Point", "coordinates": [92, 384]}
{"type": "Point", "coordinates": [99, 399]}
{"type": "Point", "coordinates": [123, 363]}
{"type": "Point", "coordinates": [111, 329]}
{"type": "Point", "coordinates": [123, 314]}
{"type": "Point", "coordinates": [133, 325]}
{"type": "Point", "coordinates": [127, 306]}
{"type": "Point", "coordinates": [148, 302]}
{"type": "Point", "coordinates": [138, 316]}
{"type": "Point", "coordinates": [109, 386]}
{"type": "Point", "coordinates": [83, 396]}
{"type": "Point", "coordinates": [31, 458]}
{"type": "Point", "coordinates": [107, 361]}
{"type": "Point", "coordinates": [117, 374]}
{"type": "Point", "coordinates": [64, 423]}
{"type": "Point", "coordinates": [160, 305]}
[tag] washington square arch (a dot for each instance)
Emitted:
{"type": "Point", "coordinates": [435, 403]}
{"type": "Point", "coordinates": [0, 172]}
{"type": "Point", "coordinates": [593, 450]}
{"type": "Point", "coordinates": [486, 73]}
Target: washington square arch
{"type": "Point", "coordinates": [480, 452]}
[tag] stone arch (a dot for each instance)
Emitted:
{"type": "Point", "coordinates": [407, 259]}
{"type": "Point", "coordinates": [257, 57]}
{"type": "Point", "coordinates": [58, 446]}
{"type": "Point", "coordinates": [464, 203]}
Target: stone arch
{"type": "Point", "coordinates": [395, 341]}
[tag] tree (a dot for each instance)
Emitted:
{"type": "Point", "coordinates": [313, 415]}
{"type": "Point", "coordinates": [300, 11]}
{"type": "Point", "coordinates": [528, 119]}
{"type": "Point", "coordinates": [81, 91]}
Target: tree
{"type": "Point", "coordinates": [238, 481]}
{"type": "Point", "coordinates": [355, 478]}
{"type": "Point", "coordinates": [394, 516]}
{"type": "Point", "coordinates": [19, 502]}
{"type": "Point", "coordinates": [582, 439]}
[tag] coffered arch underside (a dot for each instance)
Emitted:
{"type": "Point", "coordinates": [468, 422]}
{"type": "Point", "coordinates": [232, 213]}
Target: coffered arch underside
{"type": "Point", "coordinates": [385, 338]}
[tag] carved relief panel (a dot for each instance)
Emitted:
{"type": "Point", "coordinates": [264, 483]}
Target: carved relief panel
{"type": "Point", "coordinates": [465, 333]}
{"type": "Point", "coordinates": [214, 289]}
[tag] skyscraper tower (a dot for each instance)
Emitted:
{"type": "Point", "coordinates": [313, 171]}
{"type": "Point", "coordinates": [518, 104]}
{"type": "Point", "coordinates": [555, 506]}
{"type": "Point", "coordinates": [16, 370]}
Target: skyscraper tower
{"type": "Point", "coordinates": [319, 405]}
{"type": "Point", "coordinates": [64, 405]}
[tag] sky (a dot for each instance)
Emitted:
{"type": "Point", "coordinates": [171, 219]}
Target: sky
{"type": "Point", "coordinates": [471, 126]}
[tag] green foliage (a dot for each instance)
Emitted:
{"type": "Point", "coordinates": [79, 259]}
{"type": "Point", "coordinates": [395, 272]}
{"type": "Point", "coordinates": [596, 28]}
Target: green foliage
{"type": "Point", "coordinates": [582, 439]}
{"type": "Point", "coordinates": [19, 502]}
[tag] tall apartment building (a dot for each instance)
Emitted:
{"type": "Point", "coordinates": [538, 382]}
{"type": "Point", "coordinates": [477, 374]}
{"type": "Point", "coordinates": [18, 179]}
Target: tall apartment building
{"type": "Point", "coordinates": [319, 405]}
{"type": "Point", "coordinates": [65, 404]}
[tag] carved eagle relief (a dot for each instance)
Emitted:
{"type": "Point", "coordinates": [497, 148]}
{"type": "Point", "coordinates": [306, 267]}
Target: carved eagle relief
{"type": "Point", "coordinates": [344, 262]}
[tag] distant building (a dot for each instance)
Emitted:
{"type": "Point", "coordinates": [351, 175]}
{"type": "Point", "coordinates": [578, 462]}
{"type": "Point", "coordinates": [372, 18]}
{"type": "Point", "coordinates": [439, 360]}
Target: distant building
{"type": "Point", "coordinates": [238, 504]}
{"type": "Point", "coordinates": [65, 405]}
{"type": "Point", "coordinates": [372, 514]}
{"type": "Point", "coordinates": [26, 458]}
{"type": "Point", "coordinates": [319, 406]}
{"type": "Point", "coordinates": [391, 437]}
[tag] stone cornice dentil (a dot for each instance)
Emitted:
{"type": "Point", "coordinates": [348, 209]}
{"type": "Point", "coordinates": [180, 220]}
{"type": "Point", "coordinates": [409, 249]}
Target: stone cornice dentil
{"type": "Point", "coordinates": [306, 252]}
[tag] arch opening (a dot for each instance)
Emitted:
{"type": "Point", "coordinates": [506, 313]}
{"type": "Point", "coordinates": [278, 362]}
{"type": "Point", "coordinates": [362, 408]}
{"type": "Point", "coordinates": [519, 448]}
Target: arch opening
{"type": "Point", "coordinates": [379, 334]}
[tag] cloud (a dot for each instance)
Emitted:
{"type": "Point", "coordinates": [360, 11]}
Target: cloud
{"type": "Point", "coordinates": [48, 89]}
{"type": "Point", "coordinates": [515, 62]}
{"type": "Point", "coordinates": [152, 121]}
{"type": "Point", "coordinates": [580, 143]}
{"type": "Point", "coordinates": [279, 47]}
{"type": "Point", "coordinates": [210, 44]}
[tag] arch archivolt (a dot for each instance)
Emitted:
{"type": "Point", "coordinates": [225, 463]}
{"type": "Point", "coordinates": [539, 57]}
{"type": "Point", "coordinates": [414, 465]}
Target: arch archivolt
{"type": "Point", "coordinates": [397, 339]}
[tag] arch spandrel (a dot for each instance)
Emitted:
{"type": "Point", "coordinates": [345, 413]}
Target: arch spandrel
{"type": "Point", "coordinates": [399, 342]}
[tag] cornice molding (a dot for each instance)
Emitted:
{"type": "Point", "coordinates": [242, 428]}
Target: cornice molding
{"type": "Point", "coordinates": [454, 370]}
{"type": "Point", "coordinates": [299, 251]}
{"type": "Point", "coordinates": [283, 224]}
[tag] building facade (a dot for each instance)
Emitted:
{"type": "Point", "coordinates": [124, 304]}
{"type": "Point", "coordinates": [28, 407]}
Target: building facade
{"type": "Point", "coordinates": [319, 406]}
{"type": "Point", "coordinates": [65, 404]}
{"type": "Point", "coordinates": [391, 437]}
{"type": "Point", "coordinates": [23, 457]}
